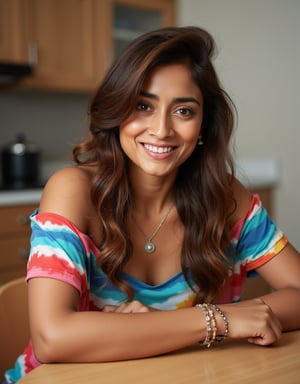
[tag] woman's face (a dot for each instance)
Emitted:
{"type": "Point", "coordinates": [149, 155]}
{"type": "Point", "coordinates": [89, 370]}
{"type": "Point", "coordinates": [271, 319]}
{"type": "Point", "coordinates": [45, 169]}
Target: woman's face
{"type": "Point", "coordinates": [162, 131]}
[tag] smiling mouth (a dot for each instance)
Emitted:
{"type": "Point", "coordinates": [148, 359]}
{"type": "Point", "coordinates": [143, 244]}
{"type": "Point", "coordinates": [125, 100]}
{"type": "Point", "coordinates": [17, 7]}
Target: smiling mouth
{"type": "Point", "coordinates": [154, 149]}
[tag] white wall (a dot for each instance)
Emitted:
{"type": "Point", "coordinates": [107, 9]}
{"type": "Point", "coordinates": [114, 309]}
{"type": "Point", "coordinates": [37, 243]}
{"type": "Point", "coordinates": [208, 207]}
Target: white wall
{"type": "Point", "coordinates": [258, 63]}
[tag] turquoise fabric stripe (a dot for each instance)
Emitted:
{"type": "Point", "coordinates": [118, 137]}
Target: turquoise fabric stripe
{"type": "Point", "coordinates": [257, 236]}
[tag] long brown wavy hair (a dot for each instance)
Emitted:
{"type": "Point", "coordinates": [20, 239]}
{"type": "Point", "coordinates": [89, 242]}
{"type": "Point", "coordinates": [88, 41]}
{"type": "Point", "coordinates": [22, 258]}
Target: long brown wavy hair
{"type": "Point", "coordinates": [202, 191]}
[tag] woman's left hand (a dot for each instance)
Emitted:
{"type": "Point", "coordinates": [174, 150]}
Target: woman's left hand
{"type": "Point", "coordinates": [134, 306]}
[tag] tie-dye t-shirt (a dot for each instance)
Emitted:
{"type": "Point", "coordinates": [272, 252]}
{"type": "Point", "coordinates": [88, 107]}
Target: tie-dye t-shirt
{"type": "Point", "coordinates": [60, 251]}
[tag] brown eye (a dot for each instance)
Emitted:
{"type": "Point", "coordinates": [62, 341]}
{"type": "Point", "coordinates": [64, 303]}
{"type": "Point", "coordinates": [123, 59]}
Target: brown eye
{"type": "Point", "coordinates": [143, 107]}
{"type": "Point", "coordinates": [186, 112]}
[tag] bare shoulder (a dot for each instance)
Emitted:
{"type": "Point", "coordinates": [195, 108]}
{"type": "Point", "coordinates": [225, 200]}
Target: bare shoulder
{"type": "Point", "coordinates": [242, 199]}
{"type": "Point", "coordinates": [67, 193]}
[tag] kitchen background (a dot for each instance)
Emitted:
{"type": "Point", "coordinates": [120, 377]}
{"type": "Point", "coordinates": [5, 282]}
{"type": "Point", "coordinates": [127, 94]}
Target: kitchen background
{"type": "Point", "coordinates": [258, 63]}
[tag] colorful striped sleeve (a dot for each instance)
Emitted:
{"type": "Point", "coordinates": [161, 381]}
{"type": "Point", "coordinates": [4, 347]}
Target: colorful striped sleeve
{"type": "Point", "coordinates": [256, 238]}
{"type": "Point", "coordinates": [57, 250]}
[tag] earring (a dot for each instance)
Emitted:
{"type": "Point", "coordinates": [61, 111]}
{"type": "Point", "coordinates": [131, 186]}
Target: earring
{"type": "Point", "coordinates": [200, 142]}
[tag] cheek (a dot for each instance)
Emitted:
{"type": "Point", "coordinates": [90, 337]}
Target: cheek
{"type": "Point", "coordinates": [191, 134]}
{"type": "Point", "coordinates": [190, 131]}
{"type": "Point", "coordinates": [130, 129]}
{"type": "Point", "coordinates": [127, 134]}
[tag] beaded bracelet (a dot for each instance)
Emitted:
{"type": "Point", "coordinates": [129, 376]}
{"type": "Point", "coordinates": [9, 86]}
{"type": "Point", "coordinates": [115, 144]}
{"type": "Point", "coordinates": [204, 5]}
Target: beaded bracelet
{"type": "Point", "coordinates": [221, 338]}
{"type": "Point", "coordinates": [211, 324]}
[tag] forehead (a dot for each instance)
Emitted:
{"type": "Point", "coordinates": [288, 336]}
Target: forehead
{"type": "Point", "coordinates": [174, 79]}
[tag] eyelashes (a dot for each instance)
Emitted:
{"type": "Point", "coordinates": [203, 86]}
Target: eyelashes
{"type": "Point", "coordinates": [143, 107]}
{"type": "Point", "coordinates": [185, 112]}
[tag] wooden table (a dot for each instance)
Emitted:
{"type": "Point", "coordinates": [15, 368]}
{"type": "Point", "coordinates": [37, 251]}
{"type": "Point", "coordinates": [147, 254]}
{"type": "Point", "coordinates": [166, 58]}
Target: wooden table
{"type": "Point", "coordinates": [233, 362]}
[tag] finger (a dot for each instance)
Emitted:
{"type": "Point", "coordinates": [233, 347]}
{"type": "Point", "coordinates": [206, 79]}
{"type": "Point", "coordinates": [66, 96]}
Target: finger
{"type": "Point", "coordinates": [137, 306]}
{"type": "Point", "coordinates": [264, 340]}
{"type": "Point", "coordinates": [276, 327]}
{"type": "Point", "coordinates": [268, 335]}
{"type": "Point", "coordinates": [274, 323]}
{"type": "Point", "coordinates": [109, 308]}
{"type": "Point", "coordinates": [124, 308]}
{"type": "Point", "coordinates": [132, 307]}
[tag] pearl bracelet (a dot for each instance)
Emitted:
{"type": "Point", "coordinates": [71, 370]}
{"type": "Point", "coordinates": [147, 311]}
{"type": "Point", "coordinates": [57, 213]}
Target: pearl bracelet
{"type": "Point", "coordinates": [211, 324]}
{"type": "Point", "coordinates": [220, 338]}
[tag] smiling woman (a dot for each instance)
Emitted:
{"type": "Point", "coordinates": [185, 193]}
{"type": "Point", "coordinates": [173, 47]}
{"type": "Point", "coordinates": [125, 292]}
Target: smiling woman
{"type": "Point", "coordinates": [143, 247]}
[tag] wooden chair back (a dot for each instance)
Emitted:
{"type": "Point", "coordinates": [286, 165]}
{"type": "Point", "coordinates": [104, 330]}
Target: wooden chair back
{"type": "Point", "coordinates": [14, 322]}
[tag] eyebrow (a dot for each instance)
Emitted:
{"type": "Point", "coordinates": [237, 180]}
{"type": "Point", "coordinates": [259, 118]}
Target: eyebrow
{"type": "Point", "coordinates": [177, 99]}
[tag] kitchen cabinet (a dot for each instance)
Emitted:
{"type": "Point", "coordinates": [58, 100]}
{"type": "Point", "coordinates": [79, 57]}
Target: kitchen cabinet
{"type": "Point", "coordinates": [14, 240]}
{"type": "Point", "coordinates": [13, 43]}
{"type": "Point", "coordinates": [61, 33]}
{"type": "Point", "coordinates": [127, 19]}
{"type": "Point", "coordinates": [72, 42]}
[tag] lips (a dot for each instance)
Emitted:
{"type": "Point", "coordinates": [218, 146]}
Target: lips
{"type": "Point", "coordinates": [158, 149]}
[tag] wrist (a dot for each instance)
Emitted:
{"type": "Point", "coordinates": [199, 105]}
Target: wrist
{"type": "Point", "coordinates": [223, 324]}
{"type": "Point", "coordinates": [217, 326]}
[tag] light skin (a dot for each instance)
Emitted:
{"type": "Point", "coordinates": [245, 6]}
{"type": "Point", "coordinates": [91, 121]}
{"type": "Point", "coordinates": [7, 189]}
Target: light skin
{"type": "Point", "coordinates": [168, 115]}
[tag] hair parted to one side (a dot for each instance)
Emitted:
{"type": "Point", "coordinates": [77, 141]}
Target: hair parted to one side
{"type": "Point", "coordinates": [202, 190]}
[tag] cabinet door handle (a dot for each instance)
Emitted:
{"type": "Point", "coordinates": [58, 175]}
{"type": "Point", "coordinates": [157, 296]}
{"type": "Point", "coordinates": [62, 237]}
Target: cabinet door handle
{"type": "Point", "coordinates": [33, 54]}
{"type": "Point", "coordinates": [23, 219]}
{"type": "Point", "coordinates": [24, 253]}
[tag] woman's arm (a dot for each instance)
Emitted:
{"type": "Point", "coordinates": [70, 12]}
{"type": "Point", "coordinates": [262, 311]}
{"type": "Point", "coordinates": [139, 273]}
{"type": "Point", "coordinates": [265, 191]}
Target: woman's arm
{"type": "Point", "coordinates": [60, 333]}
{"type": "Point", "coordinates": [282, 273]}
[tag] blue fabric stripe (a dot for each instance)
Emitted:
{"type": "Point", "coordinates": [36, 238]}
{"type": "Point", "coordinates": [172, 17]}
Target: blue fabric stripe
{"type": "Point", "coordinates": [66, 238]}
{"type": "Point", "coordinates": [256, 237]}
{"type": "Point", "coordinates": [56, 238]}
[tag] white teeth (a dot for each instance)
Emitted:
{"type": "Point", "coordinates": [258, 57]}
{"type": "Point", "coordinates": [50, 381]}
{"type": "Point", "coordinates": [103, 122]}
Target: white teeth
{"type": "Point", "coordinates": [154, 149]}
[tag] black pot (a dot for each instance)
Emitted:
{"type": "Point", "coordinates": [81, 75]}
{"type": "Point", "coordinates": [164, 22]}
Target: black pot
{"type": "Point", "coordinates": [20, 163]}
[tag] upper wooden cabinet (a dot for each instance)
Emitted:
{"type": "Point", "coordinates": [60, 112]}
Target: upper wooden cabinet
{"type": "Point", "coordinates": [72, 42]}
{"type": "Point", "coordinates": [13, 41]}
{"type": "Point", "coordinates": [123, 20]}
{"type": "Point", "coordinates": [61, 32]}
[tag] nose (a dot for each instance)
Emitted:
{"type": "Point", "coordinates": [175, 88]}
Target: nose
{"type": "Point", "coordinates": [160, 125]}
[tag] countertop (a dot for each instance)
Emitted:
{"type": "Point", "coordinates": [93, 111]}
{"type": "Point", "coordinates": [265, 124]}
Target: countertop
{"type": "Point", "coordinates": [30, 196]}
{"type": "Point", "coordinates": [252, 173]}
{"type": "Point", "coordinates": [20, 197]}
{"type": "Point", "coordinates": [234, 361]}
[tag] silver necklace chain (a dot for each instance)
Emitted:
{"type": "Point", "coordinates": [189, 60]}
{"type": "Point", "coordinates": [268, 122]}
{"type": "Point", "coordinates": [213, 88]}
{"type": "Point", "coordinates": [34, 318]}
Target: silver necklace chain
{"type": "Point", "coordinates": [150, 246]}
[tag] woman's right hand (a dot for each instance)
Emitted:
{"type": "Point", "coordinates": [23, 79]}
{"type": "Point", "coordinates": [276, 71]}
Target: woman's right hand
{"type": "Point", "coordinates": [134, 306]}
{"type": "Point", "coordinates": [251, 319]}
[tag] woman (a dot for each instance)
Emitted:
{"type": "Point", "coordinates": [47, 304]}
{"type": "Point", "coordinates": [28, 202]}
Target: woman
{"type": "Point", "coordinates": [151, 220]}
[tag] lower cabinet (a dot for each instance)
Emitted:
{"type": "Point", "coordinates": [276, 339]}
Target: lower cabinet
{"type": "Point", "coordinates": [14, 240]}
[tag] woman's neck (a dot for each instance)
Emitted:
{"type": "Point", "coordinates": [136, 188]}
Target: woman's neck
{"type": "Point", "coordinates": [152, 195]}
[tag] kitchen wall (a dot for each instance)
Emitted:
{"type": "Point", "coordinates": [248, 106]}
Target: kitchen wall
{"type": "Point", "coordinates": [54, 121]}
{"type": "Point", "coordinates": [258, 63]}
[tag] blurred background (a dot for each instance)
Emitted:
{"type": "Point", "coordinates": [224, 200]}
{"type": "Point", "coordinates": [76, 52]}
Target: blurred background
{"type": "Point", "coordinates": [258, 63]}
